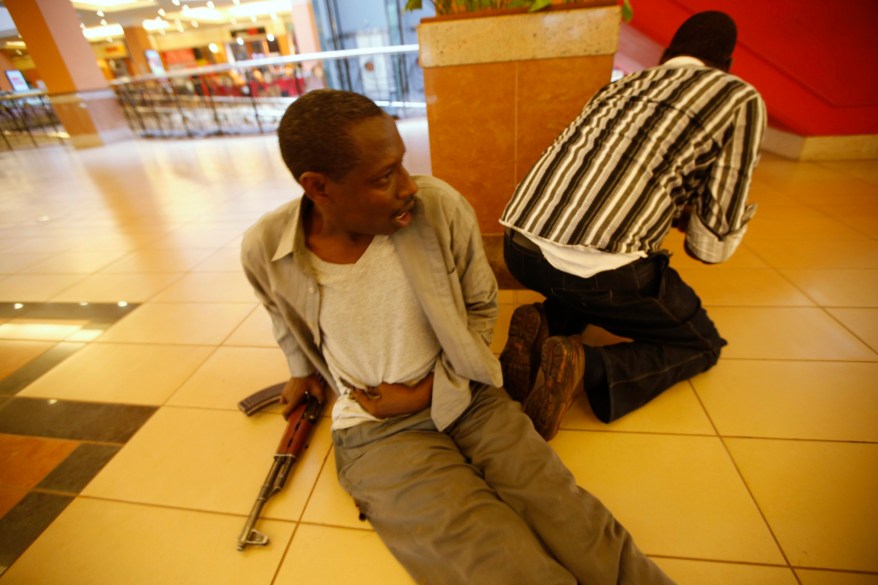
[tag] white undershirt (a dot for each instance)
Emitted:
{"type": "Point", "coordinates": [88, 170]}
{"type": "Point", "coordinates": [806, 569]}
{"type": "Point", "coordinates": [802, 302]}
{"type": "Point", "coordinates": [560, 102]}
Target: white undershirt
{"type": "Point", "coordinates": [582, 261]}
{"type": "Point", "coordinates": [372, 326]}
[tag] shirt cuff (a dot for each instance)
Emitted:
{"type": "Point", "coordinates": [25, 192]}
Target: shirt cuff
{"type": "Point", "coordinates": [706, 246]}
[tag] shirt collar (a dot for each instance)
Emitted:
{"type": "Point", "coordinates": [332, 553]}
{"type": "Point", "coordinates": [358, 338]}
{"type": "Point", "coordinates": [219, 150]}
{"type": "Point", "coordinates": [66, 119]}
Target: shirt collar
{"type": "Point", "coordinates": [292, 239]}
{"type": "Point", "coordinates": [682, 61]}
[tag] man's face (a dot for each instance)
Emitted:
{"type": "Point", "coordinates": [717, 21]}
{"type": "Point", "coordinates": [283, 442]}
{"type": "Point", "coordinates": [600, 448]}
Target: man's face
{"type": "Point", "coordinates": [375, 197]}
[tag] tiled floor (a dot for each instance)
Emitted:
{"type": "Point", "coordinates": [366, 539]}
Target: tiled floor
{"type": "Point", "coordinates": [123, 457]}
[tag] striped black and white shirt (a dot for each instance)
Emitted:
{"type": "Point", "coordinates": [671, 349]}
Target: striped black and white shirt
{"type": "Point", "coordinates": [644, 147]}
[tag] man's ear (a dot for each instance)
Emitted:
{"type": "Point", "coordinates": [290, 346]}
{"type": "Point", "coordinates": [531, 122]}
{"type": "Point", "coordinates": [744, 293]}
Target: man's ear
{"type": "Point", "coordinates": [315, 186]}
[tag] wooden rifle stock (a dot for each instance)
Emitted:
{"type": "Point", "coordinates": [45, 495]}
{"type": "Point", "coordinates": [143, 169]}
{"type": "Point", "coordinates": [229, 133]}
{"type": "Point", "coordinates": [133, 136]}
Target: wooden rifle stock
{"type": "Point", "coordinates": [293, 442]}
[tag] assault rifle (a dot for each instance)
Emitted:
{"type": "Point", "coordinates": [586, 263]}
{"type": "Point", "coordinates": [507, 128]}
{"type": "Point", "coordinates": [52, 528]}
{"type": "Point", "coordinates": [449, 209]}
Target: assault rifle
{"type": "Point", "coordinates": [293, 442]}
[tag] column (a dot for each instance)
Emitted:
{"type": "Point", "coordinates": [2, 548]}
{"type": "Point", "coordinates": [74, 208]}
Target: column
{"type": "Point", "coordinates": [138, 42]}
{"type": "Point", "coordinates": [80, 94]}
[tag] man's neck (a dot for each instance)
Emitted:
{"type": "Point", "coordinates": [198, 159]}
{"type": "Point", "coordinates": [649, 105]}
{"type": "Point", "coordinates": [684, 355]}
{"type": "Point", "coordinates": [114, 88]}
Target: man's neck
{"type": "Point", "coordinates": [332, 245]}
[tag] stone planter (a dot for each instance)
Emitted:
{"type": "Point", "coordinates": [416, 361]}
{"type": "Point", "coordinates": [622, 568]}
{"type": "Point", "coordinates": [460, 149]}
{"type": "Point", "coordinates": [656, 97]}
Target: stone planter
{"type": "Point", "coordinates": [501, 85]}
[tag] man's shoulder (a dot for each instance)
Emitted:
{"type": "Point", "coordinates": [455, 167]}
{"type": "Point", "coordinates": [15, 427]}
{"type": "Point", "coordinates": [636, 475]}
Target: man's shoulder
{"type": "Point", "coordinates": [440, 201]}
{"type": "Point", "coordinates": [269, 228]}
{"type": "Point", "coordinates": [435, 187]}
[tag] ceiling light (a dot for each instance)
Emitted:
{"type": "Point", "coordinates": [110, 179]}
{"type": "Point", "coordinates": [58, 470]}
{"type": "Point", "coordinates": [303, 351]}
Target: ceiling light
{"type": "Point", "coordinates": [155, 24]}
{"type": "Point", "coordinates": [102, 32]}
{"type": "Point", "coordinates": [265, 7]}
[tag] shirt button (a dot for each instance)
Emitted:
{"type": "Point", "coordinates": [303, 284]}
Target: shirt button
{"type": "Point", "coordinates": [312, 290]}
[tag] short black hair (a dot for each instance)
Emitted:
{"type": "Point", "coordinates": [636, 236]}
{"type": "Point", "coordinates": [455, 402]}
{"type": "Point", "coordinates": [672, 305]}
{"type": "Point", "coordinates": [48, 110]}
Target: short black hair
{"type": "Point", "coordinates": [314, 132]}
{"type": "Point", "coordinates": [709, 36]}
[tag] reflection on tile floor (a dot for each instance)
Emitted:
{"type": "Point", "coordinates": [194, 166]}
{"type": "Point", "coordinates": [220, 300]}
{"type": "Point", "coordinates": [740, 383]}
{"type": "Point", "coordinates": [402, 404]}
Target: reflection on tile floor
{"type": "Point", "coordinates": [124, 459]}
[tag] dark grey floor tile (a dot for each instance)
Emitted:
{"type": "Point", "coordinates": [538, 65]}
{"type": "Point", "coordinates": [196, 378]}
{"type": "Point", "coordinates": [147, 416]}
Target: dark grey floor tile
{"type": "Point", "coordinates": [79, 468]}
{"type": "Point", "coordinates": [82, 421]}
{"type": "Point", "coordinates": [76, 311]}
{"type": "Point", "coordinates": [26, 521]}
{"type": "Point", "coordinates": [28, 373]}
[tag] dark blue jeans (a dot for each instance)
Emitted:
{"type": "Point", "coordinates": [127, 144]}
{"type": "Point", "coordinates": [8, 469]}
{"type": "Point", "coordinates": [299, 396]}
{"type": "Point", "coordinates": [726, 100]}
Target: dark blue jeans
{"type": "Point", "coordinates": [646, 301]}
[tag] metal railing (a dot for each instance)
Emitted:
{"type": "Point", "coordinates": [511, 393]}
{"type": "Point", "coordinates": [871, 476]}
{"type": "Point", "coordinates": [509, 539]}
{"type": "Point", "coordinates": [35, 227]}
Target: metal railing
{"type": "Point", "coordinates": [245, 97]}
{"type": "Point", "coordinates": [28, 119]}
{"type": "Point", "coordinates": [251, 96]}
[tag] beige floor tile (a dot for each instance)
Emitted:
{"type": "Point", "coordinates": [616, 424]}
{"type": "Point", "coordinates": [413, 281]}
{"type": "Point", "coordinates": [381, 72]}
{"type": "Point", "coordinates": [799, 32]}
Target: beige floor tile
{"type": "Point", "coordinates": [834, 401]}
{"type": "Point", "coordinates": [679, 496]}
{"type": "Point", "coordinates": [506, 297]}
{"type": "Point", "coordinates": [11, 263]}
{"type": "Point", "coordinates": [185, 323]}
{"type": "Point", "coordinates": [323, 554]}
{"type": "Point", "coordinates": [74, 262]}
{"type": "Point", "coordinates": [254, 331]}
{"type": "Point", "coordinates": [866, 224]}
{"type": "Point", "coordinates": [35, 288]}
{"type": "Point", "coordinates": [229, 375]}
{"type": "Point", "coordinates": [862, 322]}
{"type": "Point", "coordinates": [120, 373]}
{"type": "Point", "coordinates": [40, 329]}
{"type": "Point", "coordinates": [744, 257]}
{"type": "Point", "coordinates": [208, 287]}
{"type": "Point", "coordinates": [810, 577]}
{"type": "Point", "coordinates": [780, 226]}
{"type": "Point", "coordinates": [330, 504]}
{"type": "Point", "coordinates": [837, 288]}
{"type": "Point", "coordinates": [16, 353]}
{"type": "Point", "coordinates": [786, 333]}
{"type": "Point", "coordinates": [524, 296]}
{"type": "Point", "coordinates": [115, 287]}
{"type": "Point", "coordinates": [160, 260]}
{"type": "Point", "coordinates": [686, 572]}
{"type": "Point", "coordinates": [211, 235]}
{"type": "Point", "coordinates": [96, 542]}
{"type": "Point", "coordinates": [675, 411]}
{"type": "Point", "coordinates": [838, 254]}
{"type": "Point", "coordinates": [818, 498]}
{"type": "Point", "coordinates": [226, 259]}
{"type": "Point", "coordinates": [758, 287]}
{"type": "Point", "coordinates": [209, 460]}
{"type": "Point", "coordinates": [865, 170]}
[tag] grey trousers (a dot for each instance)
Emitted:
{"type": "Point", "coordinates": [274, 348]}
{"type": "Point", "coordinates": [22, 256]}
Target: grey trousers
{"type": "Point", "coordinates": [485, 501]}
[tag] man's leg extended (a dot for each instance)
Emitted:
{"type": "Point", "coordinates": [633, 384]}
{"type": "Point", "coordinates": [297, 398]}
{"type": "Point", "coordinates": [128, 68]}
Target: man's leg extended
{"type": "Point", "coordinates": [527, 474]}
{"type": "Point", "coordinates": [434, 511]}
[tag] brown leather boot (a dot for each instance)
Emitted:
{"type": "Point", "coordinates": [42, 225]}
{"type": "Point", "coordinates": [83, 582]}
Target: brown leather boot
{"type": "Point", "coordinates": [558, 383]}
{"type": "Point", "coordinates": [520, 358]}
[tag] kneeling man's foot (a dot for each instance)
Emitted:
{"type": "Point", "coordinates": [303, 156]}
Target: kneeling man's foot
{"type": "Point", "coordinates": [521, 356]}
{"type": "Point", "coordinates": [558, 383]}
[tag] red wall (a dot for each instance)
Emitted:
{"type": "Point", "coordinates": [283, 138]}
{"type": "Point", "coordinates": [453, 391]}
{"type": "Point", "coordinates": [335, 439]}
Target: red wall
{"type": "Point", "coordinates": [814, 61]}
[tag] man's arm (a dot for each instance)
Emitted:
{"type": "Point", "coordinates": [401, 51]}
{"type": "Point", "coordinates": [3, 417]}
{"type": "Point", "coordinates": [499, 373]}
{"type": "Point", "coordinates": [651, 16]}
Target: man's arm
{"type": "Point", "coordinates": [477, 280]}
{"type": "Point", "coordinates": [720, 216]}
{"type": "Point", "coordinates": [253, 261]}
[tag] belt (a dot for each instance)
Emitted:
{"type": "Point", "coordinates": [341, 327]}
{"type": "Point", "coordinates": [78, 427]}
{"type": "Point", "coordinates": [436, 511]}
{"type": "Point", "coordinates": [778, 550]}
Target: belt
{"type": "Point", "coordinates": [519, 239]}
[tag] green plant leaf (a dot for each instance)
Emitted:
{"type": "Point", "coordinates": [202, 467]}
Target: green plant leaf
{"type": "Point", "coordinates": [413, 5]}
{"type": "Point", "coordinates": [627, 11]}
{"type": "Point", "coordinates": [539, 5]}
